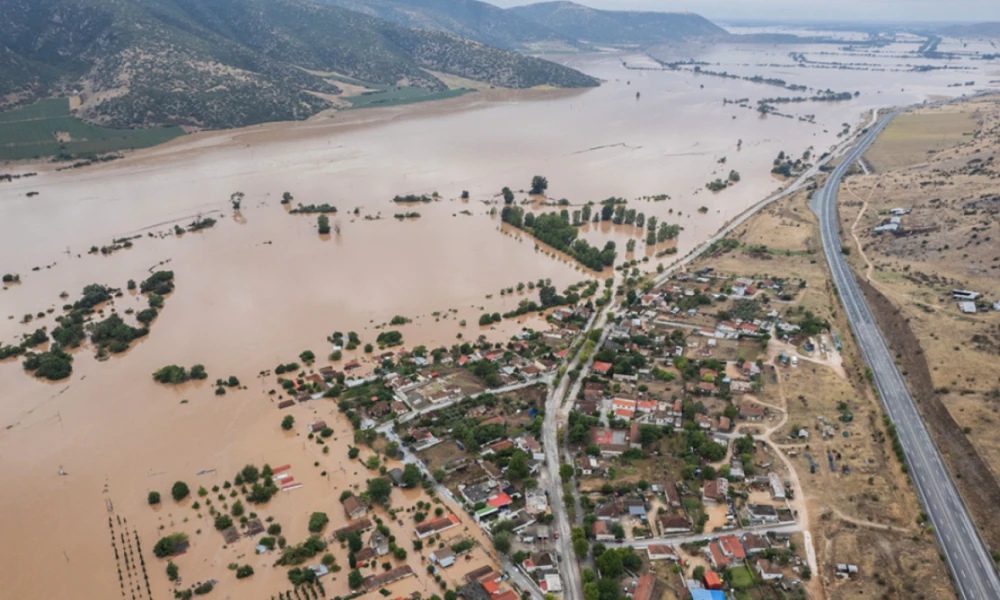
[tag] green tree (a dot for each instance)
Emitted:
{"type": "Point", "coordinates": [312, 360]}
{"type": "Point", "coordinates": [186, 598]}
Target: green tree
{"type": "Point", "coordinates": [323, 222]}
{"type": "Point", "coordinates": [153, 498]}
{"type": "Point", "coordinates": [502, 542]}
{"type": "Point", "coordinates": [580, 547]}
{"type": "Point", "coordinates": [411, 475]}
{"type": "Point", "coordinates": [566, 471]}
{"type": "Point", "coordinates": [355, 579]}
{"type": "Point", "coordinates": [172, 571]}
{"type": "Point", "coordinates": [288, 422]}
{"type": "Point", "coordinates": [508, 196]}
{"type": "Point", "coordinates": [180, 491]}
{"type": "Point", "coordinates": [517, 467]}
{"type": "Point", "coordinates": [610, 564]}
{"type": "Point", "coordinates": [223, 521]}
{"type": "Point", "coordinates": [539, 184]}
{"type": "Point", "coordinates": [379, 490]}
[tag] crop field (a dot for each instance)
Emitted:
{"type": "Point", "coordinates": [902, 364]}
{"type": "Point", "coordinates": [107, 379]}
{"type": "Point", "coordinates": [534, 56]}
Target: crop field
{"type": "Point", "coordinates": [46, 128]}
{"type": "Point", "coordinates": [402, 95]}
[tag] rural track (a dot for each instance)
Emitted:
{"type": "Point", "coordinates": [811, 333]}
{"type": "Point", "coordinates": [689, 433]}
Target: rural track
{"type": "Point", "coordinates": [974, 573]}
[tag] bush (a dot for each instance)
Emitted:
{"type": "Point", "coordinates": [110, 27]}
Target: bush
{"type": "Point", "coordinates": [355, 579]}
{"type": "Point", "coordinates": [288, 422]}
{"type": "Point", "coordinates": [179, 491]}
{"type": "Point", "coordinates": [318, 521]}
{"type": "Point", "coordinates": [169, 545]}
{"type": "Point", "coordinates": [153, 498]}
{"type": "Point", "coordinates": [172, 571]}
{"type": "Point", "coordinates": [204, 588]}
{"type": "Point", "coordinates": [223, 521]}
{"type": "Point", "coordinates": [244, 572]}
{"type": "Point", "coordinates": [171, 374]}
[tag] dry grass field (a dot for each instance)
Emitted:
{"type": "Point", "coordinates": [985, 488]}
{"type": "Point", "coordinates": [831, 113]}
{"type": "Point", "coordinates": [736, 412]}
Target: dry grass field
{"type": "Point", "coordinates": [911, 138]}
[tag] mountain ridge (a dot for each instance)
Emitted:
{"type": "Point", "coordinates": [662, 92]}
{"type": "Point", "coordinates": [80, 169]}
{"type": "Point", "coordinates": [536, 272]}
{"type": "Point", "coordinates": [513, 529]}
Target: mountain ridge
{"type": "Point", "coordinates": [230, 63]}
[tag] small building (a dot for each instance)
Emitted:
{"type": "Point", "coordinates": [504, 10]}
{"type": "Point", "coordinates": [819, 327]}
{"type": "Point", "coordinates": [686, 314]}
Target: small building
{"type": "Point", "coordinates": [379, 543]}
{"type": "Point", "coordinates": [601, 531]}
{"type": "Point", "coordinates": [648, 588]}
{"type": "Point", "coordinates": [777, 488]}
{"type": "Point", "coordinates": [430, 528]}
{"type": "Point", "coordinates": [673, 524]}
{"type": "Point", "coordinates": [354, 508]}
{"type": "Point", "coordinates": [602, 368]}
{"type": "Point", "coordinates": [662, 552]}
{"type": "Point", "coordinates": [551, 583]}
{"type": "Point", "coordinates": [712, 580]}
{"type": "Point", "coordinates": [967, 306]}
{"type": "Point", "coordinates": [762, 513]}
{"type": "Point", "coordinates": [317, 426]}
{"type": "Point", "coordinates": [714, 491]}
{"type": "Point", "coordinates": [539, 561]}
{"type": "Point", "coordinates": [768, 571]}
{"type": "Point", "coordinates": [443, 557]}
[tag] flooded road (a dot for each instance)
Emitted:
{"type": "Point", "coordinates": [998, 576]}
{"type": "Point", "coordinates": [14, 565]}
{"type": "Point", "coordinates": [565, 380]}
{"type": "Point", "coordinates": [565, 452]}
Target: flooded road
{"type": "Point", "coordinates": [262, 285]}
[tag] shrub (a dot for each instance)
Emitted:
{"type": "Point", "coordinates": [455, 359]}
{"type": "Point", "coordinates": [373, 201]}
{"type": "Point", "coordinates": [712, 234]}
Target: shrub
{"type": "Point", "coordinates": [288, 422]}
{"type": "Point", "coordinates": [153, 498]}
{"type": "Point", "coordinates": [179, 491]}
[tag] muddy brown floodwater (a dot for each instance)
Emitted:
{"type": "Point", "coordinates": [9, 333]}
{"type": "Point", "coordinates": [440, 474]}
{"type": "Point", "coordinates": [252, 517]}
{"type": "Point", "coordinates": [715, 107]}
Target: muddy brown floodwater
{"type": "Point", "coordinates": [262, 285]}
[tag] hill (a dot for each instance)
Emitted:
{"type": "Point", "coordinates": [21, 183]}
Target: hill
{"type": "Point", "coordinates": [618, 27]}
{"type": "Point", "coordinates": [471, 19]}
{"type": "Point", "coordinates": [230, 63]}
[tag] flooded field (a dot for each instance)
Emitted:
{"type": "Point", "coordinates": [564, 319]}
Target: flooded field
{"type": "Point", "coordinates": [262, 285]}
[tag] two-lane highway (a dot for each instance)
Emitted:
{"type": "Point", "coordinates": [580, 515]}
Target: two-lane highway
{"type": "Point", "coordinates": [973, 570]}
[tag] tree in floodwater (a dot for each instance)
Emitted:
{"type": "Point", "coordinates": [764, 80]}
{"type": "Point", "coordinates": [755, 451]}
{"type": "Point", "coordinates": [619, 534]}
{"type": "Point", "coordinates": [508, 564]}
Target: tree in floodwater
{"type": "Point", "coordinates": [539, 184]}
{"type": "Point", "coordinates": [323, 222]}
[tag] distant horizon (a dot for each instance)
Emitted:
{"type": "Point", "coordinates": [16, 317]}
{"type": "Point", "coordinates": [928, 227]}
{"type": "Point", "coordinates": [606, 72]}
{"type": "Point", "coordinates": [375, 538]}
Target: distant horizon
{"type": "Point", "coordinates": [818, 12]}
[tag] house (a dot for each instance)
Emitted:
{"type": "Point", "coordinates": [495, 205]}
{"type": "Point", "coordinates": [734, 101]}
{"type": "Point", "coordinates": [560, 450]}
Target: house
{"type": "Point", "coordinates": [608, 511]}
{"type": "Point", "coordinates": [357, 526]}
{"type": "Point", "coordinates": [539, 561]}
{"type": "Point", "coordinates": [714, 491]}
{"type": "Point", "coordinates": [703, 594]}
{"type": "Point", "coordinates": [396, 475]}
{"type": "Point", "coordinates": [648, 588]}
{"type": "Point", "coordinates": [500, 501]}
{"type": "Point", "coordinates": [777, 488]}
{"type": "Point", "coordinates": [732, 549]}
{"type": "Point", "coordinates": [602, 368]}
{"type": "Point", "coordinates": [706, 388]}
{"type": "Point", "coordinates": [752, 412]}
{"type": "Point", "coordinates": [768, 571]}
{"type": "Point", "coordinates": [473, 591]}
{"type": "Point", "coordinates": [612, 442]}
{"type": "Point", "coordinates": [374, 582]}
{"type": "Point", "coordinates": [436, 526]}
{"type": "Point", "coordinates": [673, 524]}
{"type": "Point", "coordinates": [354, 508]}
{"type": "Point", "coordinates": [443, 557]}
{"type": "Point", "coordinates": [740, 387]}
{"type": "Point", "coordinates": [507, 595]}
{"type": "Point", "coordinates": [379, 543]}
{"type": "Point", "coordinates": [715, 555]}
{"type": "Point", "coordinates": [551, 583]}
{"type": "Point", "coordinates": [755, 544]}
{"type": "Point", "coordinates": [662, 552]}
{"type": "Point", "coordinates": [712, 580]}
{"type": "Point", "coordinates": [601, 531]}
{"type": "Point", "coordinates": [317, 426]}
{"type": "Point", "coordinates": [762, 513]}
{"type": "Point", "coordinates": [635, 508]}
{"type": "Point", "coordinates": [286, 403]}
{"type": "Point", "coordinates": [671, 495]}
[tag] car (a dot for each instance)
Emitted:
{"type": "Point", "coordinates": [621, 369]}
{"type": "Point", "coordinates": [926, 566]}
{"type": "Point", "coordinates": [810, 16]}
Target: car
{"type": "Point", "coordinates": [556, 534]}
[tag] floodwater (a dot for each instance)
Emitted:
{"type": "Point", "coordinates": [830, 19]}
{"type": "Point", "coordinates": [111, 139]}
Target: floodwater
{"type": "Point", "coordinates": [262, 285]}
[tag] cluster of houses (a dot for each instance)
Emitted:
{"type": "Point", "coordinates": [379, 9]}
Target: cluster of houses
{"type": "Point", "coordinates": [972, 302]}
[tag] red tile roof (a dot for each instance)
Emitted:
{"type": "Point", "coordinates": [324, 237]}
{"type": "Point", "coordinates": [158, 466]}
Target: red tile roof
{"type": "Point", "coordinates": [502, 499]}
{"type": "Point", "coordinates": [602, 367]}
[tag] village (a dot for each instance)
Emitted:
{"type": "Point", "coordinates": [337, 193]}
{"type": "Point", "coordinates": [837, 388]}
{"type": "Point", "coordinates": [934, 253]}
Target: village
{"type": "Point", "coordinates": [672, 469]}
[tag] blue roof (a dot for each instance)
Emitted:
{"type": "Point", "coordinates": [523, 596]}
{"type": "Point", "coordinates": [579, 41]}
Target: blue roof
{"type": "Point", "coordinates": [636, 510]}
{"type": "Point", "coordinates": [707, 595]}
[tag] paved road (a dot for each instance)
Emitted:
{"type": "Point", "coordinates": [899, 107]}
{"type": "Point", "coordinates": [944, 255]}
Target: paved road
{"type": "Point", "coordinates": [973, 571]}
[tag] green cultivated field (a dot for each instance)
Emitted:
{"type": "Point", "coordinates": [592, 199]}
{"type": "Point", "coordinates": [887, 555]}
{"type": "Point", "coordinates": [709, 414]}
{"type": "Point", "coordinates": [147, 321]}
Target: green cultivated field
{"type": "Point", "coordinates": [30, 132]}
{"type": "Point", "coordinates": [402, 95]}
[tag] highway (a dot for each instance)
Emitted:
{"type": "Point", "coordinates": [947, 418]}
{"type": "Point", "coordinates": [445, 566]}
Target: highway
{"type": "Point", "coordinates": [973, 571]}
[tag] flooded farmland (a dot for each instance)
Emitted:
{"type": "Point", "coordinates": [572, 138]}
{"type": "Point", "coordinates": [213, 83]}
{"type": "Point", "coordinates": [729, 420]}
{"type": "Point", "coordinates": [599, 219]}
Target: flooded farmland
{"type": "Point", "coordinates": [262, 285]}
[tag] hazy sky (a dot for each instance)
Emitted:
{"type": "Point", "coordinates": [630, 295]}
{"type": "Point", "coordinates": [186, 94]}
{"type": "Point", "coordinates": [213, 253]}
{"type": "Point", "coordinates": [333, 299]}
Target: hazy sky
{"type": "Point", "coordinates": [801, 10]}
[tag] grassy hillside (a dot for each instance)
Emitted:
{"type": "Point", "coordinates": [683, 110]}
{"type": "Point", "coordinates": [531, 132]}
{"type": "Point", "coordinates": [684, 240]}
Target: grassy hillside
{"type": "Point", "coordinates": [618, 27]}
{"type": "Point", "coordinates": [471, 19]}
{"type": "Point", "coordinates": [230, 63]}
